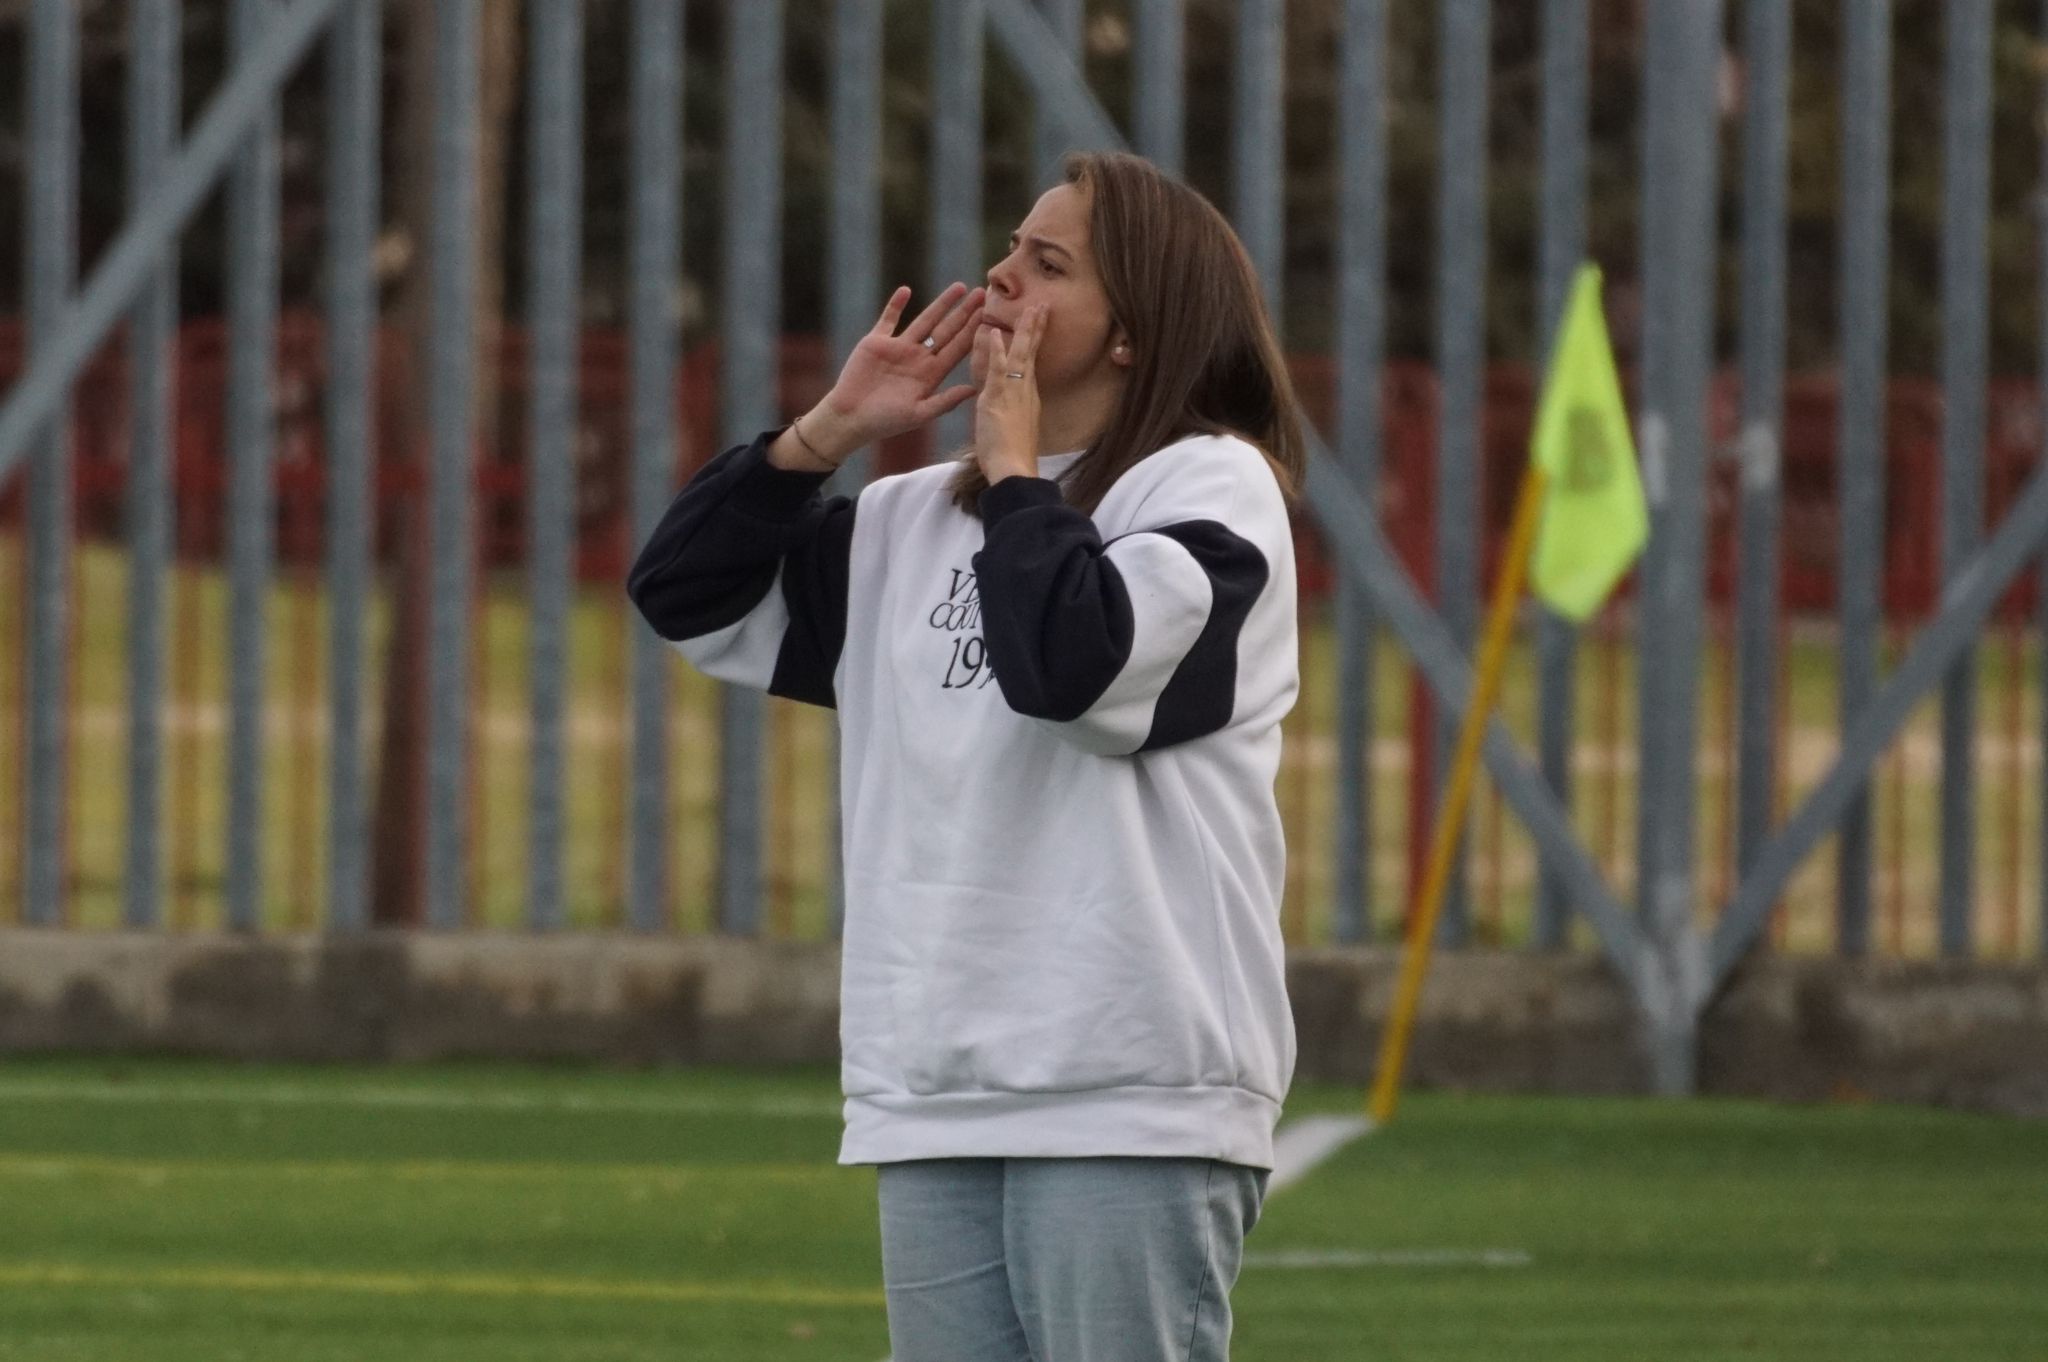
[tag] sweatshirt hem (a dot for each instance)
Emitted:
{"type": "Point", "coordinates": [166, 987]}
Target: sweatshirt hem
{"type": "Point", "coordinates": [1231, 1124]}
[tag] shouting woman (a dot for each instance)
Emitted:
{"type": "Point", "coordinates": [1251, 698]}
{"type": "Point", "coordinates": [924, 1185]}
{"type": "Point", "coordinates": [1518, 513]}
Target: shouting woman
{"type": "Point", "coordinates": [1060, 662]}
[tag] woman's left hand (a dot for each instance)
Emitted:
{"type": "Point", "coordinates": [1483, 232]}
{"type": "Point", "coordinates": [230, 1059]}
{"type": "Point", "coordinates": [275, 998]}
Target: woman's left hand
{"type": "Point", "coordinates": [1006, 413]}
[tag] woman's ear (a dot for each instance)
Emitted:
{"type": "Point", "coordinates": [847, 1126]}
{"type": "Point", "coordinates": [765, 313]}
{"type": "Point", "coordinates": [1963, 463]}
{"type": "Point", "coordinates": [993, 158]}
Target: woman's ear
{"type": "Point", "coordinates": [1119, 347]}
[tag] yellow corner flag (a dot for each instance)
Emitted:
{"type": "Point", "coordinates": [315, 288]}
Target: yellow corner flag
{"type": "Point", "coordinates": [1594, 520]}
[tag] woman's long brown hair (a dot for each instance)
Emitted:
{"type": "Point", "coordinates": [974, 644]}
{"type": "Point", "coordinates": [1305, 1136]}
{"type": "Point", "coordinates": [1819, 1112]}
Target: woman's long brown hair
{"type": "Point", "coordinates": [1204, 358]}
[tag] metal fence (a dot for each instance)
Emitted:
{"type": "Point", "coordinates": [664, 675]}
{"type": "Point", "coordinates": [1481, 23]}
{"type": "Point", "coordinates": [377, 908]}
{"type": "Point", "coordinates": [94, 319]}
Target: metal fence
{"type": "Point", "coordinates": [193, 734]}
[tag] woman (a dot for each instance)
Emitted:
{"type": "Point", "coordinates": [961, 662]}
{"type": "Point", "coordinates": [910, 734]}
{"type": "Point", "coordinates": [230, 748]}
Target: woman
{"type": "Point", "coordinates": [1060, 665]}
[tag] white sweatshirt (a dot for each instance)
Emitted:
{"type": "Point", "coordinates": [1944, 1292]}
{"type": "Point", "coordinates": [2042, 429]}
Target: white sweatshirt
{"type": "Point", "coordinates": [1059, 738]}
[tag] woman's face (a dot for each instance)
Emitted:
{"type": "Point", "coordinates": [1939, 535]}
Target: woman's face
{"type": "Point", "coordinates": [1051, 266]}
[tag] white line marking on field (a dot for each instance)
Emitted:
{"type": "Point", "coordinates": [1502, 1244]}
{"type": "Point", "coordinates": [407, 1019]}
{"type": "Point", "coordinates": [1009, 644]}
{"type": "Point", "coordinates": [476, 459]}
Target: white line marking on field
{"type": "Point", "coordinates": [422, 1099]}
{"type": "Point", "coordinates": [155, 1173]}
{"type": "Point", "coordinates": [1309, 1258]}
{"type": "Point", "coordinates": [1300, 1145]}
{"type": "Point", "coordinates": [239, 1278]}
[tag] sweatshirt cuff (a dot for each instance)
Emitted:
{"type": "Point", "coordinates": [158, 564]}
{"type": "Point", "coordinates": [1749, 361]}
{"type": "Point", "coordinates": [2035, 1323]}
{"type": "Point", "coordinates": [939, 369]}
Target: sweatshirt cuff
{"type": "Point", "coordinates": [769, 493]}
{"type": "Point", "coordinates": [1017, 494]}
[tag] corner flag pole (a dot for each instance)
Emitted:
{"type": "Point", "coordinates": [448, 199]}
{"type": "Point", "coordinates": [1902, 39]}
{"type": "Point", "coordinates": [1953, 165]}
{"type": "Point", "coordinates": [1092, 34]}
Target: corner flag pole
{"type": "Point", "coordinates": [1450, 819]}
{"type": "Point", "coordinates": [1584, 537]}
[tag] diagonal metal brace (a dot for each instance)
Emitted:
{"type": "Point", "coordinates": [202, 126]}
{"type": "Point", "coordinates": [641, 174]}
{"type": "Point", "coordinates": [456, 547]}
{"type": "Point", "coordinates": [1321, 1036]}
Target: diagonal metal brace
{"type": "Point", "coordinates": [1370, 564]}
{"type": "Point", "coordinates": [1966, 604]}
{"type": "Point", "coordinates": [1043, 60]}
{"type": "Point", "coordinates": [135, 254]}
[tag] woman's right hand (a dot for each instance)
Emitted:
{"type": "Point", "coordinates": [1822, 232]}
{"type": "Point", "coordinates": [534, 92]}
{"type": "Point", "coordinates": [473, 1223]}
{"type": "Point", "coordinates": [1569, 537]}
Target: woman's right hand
{"type": "Point", "coordinates": [890, 381]}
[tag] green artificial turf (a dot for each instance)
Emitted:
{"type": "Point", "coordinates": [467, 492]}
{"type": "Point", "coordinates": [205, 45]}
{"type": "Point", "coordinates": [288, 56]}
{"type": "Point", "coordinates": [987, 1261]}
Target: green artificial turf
{"type": "Point", "coordinates": [169, 1211]}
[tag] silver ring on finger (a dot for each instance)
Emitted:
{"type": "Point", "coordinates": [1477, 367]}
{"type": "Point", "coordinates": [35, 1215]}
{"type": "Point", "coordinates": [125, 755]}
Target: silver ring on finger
{"type": "Point", "coordinates": [930, 342]}
{"type": "Point", "coordinates": [1013, 375]}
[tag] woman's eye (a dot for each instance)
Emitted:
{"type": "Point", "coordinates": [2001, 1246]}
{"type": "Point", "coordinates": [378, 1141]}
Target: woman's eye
{"type": "Point", "coordinates": [1049, 267]}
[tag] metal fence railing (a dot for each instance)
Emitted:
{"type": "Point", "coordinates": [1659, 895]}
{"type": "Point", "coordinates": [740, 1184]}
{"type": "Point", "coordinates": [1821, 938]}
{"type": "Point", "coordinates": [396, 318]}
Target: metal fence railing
{"type": "Point", "coordinates": [247, 537]}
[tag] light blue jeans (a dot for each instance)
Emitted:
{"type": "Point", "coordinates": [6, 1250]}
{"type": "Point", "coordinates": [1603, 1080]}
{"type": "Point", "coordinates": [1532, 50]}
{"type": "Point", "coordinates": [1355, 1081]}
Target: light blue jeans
{"type": "Point", "coordinates": [1064, 1260]}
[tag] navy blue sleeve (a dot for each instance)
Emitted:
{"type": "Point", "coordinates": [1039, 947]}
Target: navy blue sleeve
{"type": "Point", "coordinates": [1131, 644]}
{"type": "Point", "coordinates": [1054, 610]}
{"type": "Point", "coordinates": [705, 580]}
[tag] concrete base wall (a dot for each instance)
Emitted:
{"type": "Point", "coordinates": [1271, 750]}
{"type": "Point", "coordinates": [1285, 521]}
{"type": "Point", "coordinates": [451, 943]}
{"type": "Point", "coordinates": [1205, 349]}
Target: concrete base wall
{"type": "Point", "coordinates": [1973, 1035]}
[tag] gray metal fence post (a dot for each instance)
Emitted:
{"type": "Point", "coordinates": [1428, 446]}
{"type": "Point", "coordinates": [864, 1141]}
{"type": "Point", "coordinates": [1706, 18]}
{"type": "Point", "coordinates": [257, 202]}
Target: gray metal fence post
{"type": "Point", "coordinates": [355, 82]}
{"type": "Point", "coordinates": [2040, 207]}
{"type": "Point", "coordinates": [253, 189]}
{"type": "Point", "coordinates": [50, 265]}
{"type": "Point", "coordinates": [1361, 332]}
{"type": "Point", "coordinates": [752, 309]}
{"type": "Point", "coordinates": [1652, 429]}
{"type": "Point", "coordinates": [1157, 80]}
{"type": "Point", "coordinates": [353, 207]}
{"type": "Point", "coordinates": [1866, 196]}
{"type": "Point", "coordinates": [153, 98]}
{"type": "Point", "coordinates": [1767, 43]}
{"type": "Point", "coordinates": [1065, 18]}
{"type": "Point", "coordinates": [554, 252]}
{"type": "Point", "coordinates": [1259, 148]}
{"type": "Point", "coordinates": [451, 366]}
{"type": "Point", "coordinates": [1566, 57]}
{"type": "Point", "coordinates": [1463, 46]}
{"type": "Point", "coordinates": [1679, 148]}
{"type": "Point", "coordinates": [955, 250]}
{"type": "Point", "coordinates": [1965, 270]}
{"type": "Point", "coordinates": [856, 194]}
{"type": "Point", "coordinates": [657, 87]}
{"type": "Point", "coordinates": [856, 265]}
